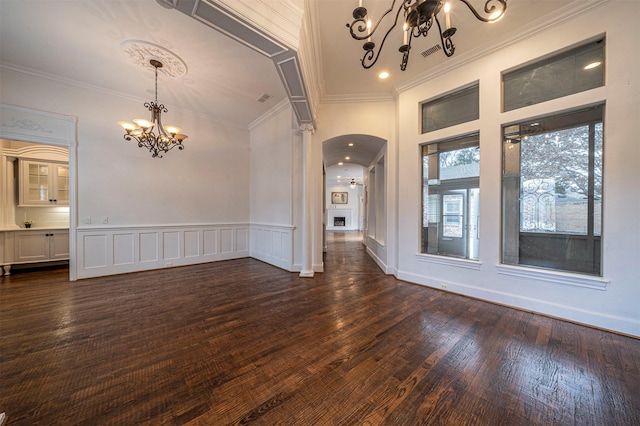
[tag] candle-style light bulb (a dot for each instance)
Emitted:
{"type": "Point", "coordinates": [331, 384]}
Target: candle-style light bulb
{"type": "Point", "coordinates": [447, 15]}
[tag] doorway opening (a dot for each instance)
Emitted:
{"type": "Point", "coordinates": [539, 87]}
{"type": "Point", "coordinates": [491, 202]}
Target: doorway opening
{"type": "Point", "coordinates": [38, 183]}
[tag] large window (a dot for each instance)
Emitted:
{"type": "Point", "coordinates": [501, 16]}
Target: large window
{"type": "Point", "coordinates": [552, 192]}
{"type": "Point", "coordinates": [451, 197]}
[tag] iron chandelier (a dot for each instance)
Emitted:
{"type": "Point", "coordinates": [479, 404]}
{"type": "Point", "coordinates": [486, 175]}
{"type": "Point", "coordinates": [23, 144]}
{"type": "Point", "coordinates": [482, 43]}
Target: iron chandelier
{"type": "Point", "coordinates": [419, 17]}
{"type": "Point", "coordinates": [141, 130]}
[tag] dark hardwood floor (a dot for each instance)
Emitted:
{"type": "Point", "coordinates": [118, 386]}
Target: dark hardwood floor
{"type": "Point", "coordinates": [242, 342]}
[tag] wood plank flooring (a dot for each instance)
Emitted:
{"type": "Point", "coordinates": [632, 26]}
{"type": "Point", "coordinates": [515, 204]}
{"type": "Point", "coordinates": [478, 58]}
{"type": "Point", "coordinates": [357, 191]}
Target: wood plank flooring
{"type": "Point", "coordinates": [242, 342]}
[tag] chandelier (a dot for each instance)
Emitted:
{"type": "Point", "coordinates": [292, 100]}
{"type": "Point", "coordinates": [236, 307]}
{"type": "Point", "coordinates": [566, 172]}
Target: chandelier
{"type": "Point", "coordinates": [419, 16]}
{"type": "Point", "coordinates": [141, 130]}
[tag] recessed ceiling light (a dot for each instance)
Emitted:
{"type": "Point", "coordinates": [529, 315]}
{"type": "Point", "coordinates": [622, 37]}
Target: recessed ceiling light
{"type": "Point", "coordinates": [351, 144]}
{"type": "Point", "coordinates": [347, 158]}
{"type": "Point", "coordinates": [339, 177]}
{"type": "Point", "coordinates": [340, 163]}
{"type": "Point", "coordinates": [383, 75]}
{"type": "Point", "coordinates": [592, 65]}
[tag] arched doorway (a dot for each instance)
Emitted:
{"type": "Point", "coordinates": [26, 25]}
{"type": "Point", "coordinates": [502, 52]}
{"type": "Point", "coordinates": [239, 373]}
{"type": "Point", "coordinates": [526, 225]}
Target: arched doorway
{"type": "Point", "coordinates": [354, 196]}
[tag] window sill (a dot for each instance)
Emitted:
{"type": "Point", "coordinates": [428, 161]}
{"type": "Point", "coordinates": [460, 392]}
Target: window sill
{"type": "Point", "coordinates": [448, 261]}
{"type": "Point", "coordinates": [557, 277]}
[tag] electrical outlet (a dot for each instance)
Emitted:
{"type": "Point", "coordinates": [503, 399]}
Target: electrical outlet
{"type": "Point", "coordinates": [168, 264]}
{"type": "Point", "coordinates": [443, 286]}
{"type": "Point", "coordinates": [105, 219]}
{"type": "Point", "coordinates": [87, 220]}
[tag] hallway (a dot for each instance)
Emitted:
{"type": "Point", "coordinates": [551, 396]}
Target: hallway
{"type": "Point", "coordinates": [241, 342]}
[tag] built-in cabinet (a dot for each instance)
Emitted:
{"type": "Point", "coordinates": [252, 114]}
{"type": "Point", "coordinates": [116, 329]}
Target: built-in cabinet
{"type": "Point", "coordinates": [43, 183]}
{"type": "Point", "coordinates": [39, 246]}
{"type": "Point", "coordinates": [33, 246]}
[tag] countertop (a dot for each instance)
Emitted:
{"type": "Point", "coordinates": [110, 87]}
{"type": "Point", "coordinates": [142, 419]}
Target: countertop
{"type": "Point", "coordinates": [37, 228]}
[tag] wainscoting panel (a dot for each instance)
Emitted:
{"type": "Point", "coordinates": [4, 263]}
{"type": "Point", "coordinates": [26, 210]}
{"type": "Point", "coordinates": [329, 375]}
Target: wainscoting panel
{"type": "Point", "coordinates": [93, 249]}
{"type": "Point", "coordinates": [273, 244]}
{"type": "Point", "coordinates": [123, 249]}
{"type": "Point", "coordinates": [242, 239]}
{"type": "Point", "coordinates": [109, 251]}
{"type": "Point", "coordinates": [226, 240]}
{"type": "Point", "coordinates": [148, 246]}
{"type": "Point", "coordinates": [210, 237]}
{"type": "Point", "coordinates": [170, 245]}
{"type": "Point", "coordinates": [191, 243]}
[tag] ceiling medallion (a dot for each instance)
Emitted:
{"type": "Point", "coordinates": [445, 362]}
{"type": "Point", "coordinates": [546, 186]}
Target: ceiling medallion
{"type": "Point", "coordinates": [141, 53]}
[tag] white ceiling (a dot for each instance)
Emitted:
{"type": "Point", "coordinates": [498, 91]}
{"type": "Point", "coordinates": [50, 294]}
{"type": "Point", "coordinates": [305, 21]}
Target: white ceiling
{"type": "Point", "coordinates": [342, 175]}
{"type": "Point", "coordinates": [344, 77]}
{"type": "Point", "coordinates": [77, 41]}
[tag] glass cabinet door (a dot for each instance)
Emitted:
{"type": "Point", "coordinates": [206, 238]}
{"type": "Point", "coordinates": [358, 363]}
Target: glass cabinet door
{"type": "Point", "coordinates": [62, 184]}
{"type": "Point", "coordinates": [38, 183]}
{"type": "Point", "coordinates": [44, 183]}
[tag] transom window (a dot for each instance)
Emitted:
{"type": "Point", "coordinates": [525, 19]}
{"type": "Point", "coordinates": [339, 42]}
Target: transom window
{"type": "Point", "coordinates": [455, 108]}
{"type": "Point", "coordinates": [563, 74]}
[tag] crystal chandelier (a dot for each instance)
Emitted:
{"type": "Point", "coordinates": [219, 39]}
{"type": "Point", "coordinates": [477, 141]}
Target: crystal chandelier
{"type": "Point", "coordinates": [419, 17]}
{"type": "Point", "coordinates": [141, 130]}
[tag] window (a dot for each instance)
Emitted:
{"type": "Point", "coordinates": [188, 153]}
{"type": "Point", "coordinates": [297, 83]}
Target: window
{"type": "Point", "coordinates": [570, 72]}
{"type": "Point", "coordinates": [451, 197]}
{"type": "Point", "coordinates": [552, 192]}
{"type": "Point", "coordinates": [458, 107]}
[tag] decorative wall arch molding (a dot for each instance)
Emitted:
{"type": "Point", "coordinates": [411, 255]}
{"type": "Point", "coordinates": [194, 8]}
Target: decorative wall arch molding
{"type": "Point", "coordinates": [30, 125]}
{"type": "Point", "coordinates": [39, 152]}
{"type": "Point", "coordinates": [278, 41]}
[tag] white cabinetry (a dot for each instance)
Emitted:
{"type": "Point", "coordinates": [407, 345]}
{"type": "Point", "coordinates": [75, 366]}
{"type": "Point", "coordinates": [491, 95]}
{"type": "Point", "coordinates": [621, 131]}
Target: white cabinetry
{"type": "Point", "coordinates": [34, 246]}
{"type": "Point", "coordinates": [41, 246]}
{"type": "Point", "coordinates": [43, 183]}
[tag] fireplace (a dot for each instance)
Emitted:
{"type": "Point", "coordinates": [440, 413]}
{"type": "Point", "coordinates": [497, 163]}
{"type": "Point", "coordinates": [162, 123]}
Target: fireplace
{"type": "Point", "coordinates": [339, 221]}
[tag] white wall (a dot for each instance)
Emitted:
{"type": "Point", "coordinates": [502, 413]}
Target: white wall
{"type": "Point", "coordinates": [275, 176]}
{"type": "Point", "coordinates": [206, 184]}
{"type": "Point", "coordinates": [611, 302]}
{"type": "Point", "coordinates": [270, 165]}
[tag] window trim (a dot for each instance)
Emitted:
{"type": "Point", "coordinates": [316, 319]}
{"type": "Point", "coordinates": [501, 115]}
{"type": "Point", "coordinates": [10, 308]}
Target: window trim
{"type": "Point", "coordinates": [553, 276]}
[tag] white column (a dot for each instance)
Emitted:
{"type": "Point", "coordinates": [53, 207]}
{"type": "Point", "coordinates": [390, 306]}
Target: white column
{"type": "Point", "coordinates": [307, 216]}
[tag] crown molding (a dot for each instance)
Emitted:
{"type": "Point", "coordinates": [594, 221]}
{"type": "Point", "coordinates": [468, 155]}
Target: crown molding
{"type": "Point", "coordinates": [16, 69]}
{"type": "Point", "coordinates": [311, 24]}
{"type": "Point", "coordinates": [353, 98]}
{"type": "Point", "coordinates": [275, 110]}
